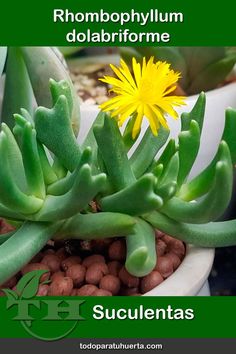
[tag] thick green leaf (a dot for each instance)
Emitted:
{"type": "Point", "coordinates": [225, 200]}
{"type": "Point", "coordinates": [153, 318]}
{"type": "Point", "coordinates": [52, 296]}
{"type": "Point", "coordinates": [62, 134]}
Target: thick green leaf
{"type": "Point", "coordinates": [229, 134]}
{"type": "Point", "coordinates": [15, 159]}
{"type": "Point", "coordinates": [157, 171]}
{"type": "Point", "coordinates": [170, 172]}
{"type": "Point", "coordinates": [197, 113]}
{"type": "Point", "coordinates": [113, 153]}
{"type": "Point", "coordinates": [166, 191]}
{"type": "Point", "coordinates": [213, 204]}
{"type": "Point", "coordinates": [127, 135]}
{"type": "Point", "coordinates": [213, 234]}
{"type": "Point", "coordinates": [48, 173]}
{"type": "Point", "coordinates": [141, 250]}
{"type": "Point", "coordinates": [58, 168]}
{"type": "Point", "coordinates": [167, 153]}
{"type": "Point", "coordinates": [18, 92]}
{"type": "Point", "coordinates": [32, 163]}
{"type": "Point", "coordinates": [84, 189]}
{"type": "Point", "coordinates": [10, 195]}
{"type": "Point", "coordinates": [19, 249]}
{"type": "Point", "coordinates": [201, 183]}
{"type": "Point", "coordinates": [189, 142]}
{"type": "Point", "coordinates": [91, 141]}
{"type": "Point", "coordinates": [63, 185]}
{"type": "Point", "coordinates": [146, 150]}
{"type": "Point", "coordinates": [54, 130]}
{"type": "Point", "coordinates": [59, 88]}
{"type": "Point", "coordinates": [136, 199]}
{"type": "Point", "coordinates": [6, 236]}
{"type": "Point", "coordinates": [97, 226]}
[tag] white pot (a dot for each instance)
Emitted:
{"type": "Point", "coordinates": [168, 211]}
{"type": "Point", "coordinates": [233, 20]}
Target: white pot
{"type": "Point", "coordinates": [191, 277]}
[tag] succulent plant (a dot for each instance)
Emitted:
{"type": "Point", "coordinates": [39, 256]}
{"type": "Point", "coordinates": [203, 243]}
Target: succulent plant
{"type": "Point", "coordinates": [48, 181]}
{"type": "Point", "coordinates": [202, 68]}
{"type": "Point", "coordinates": [27, 72]}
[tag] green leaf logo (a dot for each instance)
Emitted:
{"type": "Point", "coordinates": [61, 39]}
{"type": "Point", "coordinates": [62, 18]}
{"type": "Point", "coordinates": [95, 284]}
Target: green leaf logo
{"type": "Point", "coordinates": [28, 285]}
{"type": "Point", "coordinates": [12, 297]}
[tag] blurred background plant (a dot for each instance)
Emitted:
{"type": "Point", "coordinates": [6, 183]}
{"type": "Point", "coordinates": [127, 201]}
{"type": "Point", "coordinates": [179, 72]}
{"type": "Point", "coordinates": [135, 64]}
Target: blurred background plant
{"type": "Point", "coordinates": [25, 73]}
{"type": "Point", "coordinates": [202, 68]}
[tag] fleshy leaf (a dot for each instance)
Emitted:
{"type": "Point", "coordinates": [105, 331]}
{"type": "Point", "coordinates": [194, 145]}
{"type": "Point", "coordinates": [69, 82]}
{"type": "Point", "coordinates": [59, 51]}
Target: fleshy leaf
{"type": "Point", "coordinates": [197, 113]}
{"type": "Point", "coordinates": [136, 199]}
{"type": "Point", "coordinates": [147, 150]}
{"type": "Point", "coordinates": [54, 130]}
{"type": "Point", "coordinates": [189, 142]}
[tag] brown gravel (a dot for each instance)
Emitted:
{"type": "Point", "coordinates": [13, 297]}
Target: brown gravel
{"type": "Point", "coordinates": [100, 273]}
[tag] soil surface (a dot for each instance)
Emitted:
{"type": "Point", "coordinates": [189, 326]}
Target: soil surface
{"type": "Point", "coordinates": [97, 268]}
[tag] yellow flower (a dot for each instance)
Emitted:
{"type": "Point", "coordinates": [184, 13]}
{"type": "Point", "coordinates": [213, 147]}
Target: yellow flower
{"type": "Point", "coordinates": [145, 93]}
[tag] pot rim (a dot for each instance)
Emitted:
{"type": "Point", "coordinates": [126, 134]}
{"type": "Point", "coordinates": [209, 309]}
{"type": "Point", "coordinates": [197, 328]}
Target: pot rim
{"type": "Point", "coordinates": [218, 90]}
{"type": "Point", "coordinates": [190, 276]}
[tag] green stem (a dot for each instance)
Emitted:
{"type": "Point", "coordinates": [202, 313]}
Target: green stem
{"type": "Point", "coordinates": [18, 250]}
{"type": "Point", "coordinates": [147, 150]}
{"type": "Point", "coordinates": [6, 236]}
{"type": "Point", "coordinates": [141, 250]}
{"type": "Point", "coordinates": [96, 226]}
{"type": "Point", "coordinates": [214, 234]}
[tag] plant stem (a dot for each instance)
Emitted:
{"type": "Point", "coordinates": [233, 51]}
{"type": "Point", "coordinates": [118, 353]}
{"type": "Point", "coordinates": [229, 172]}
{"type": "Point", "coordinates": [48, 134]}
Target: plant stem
{"type": "Point", "coordinates": [214, 234]}
{"type": "Point", "coordinates": [96, 226]}
{"type": "Point", "coordinates": [19, 249]}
